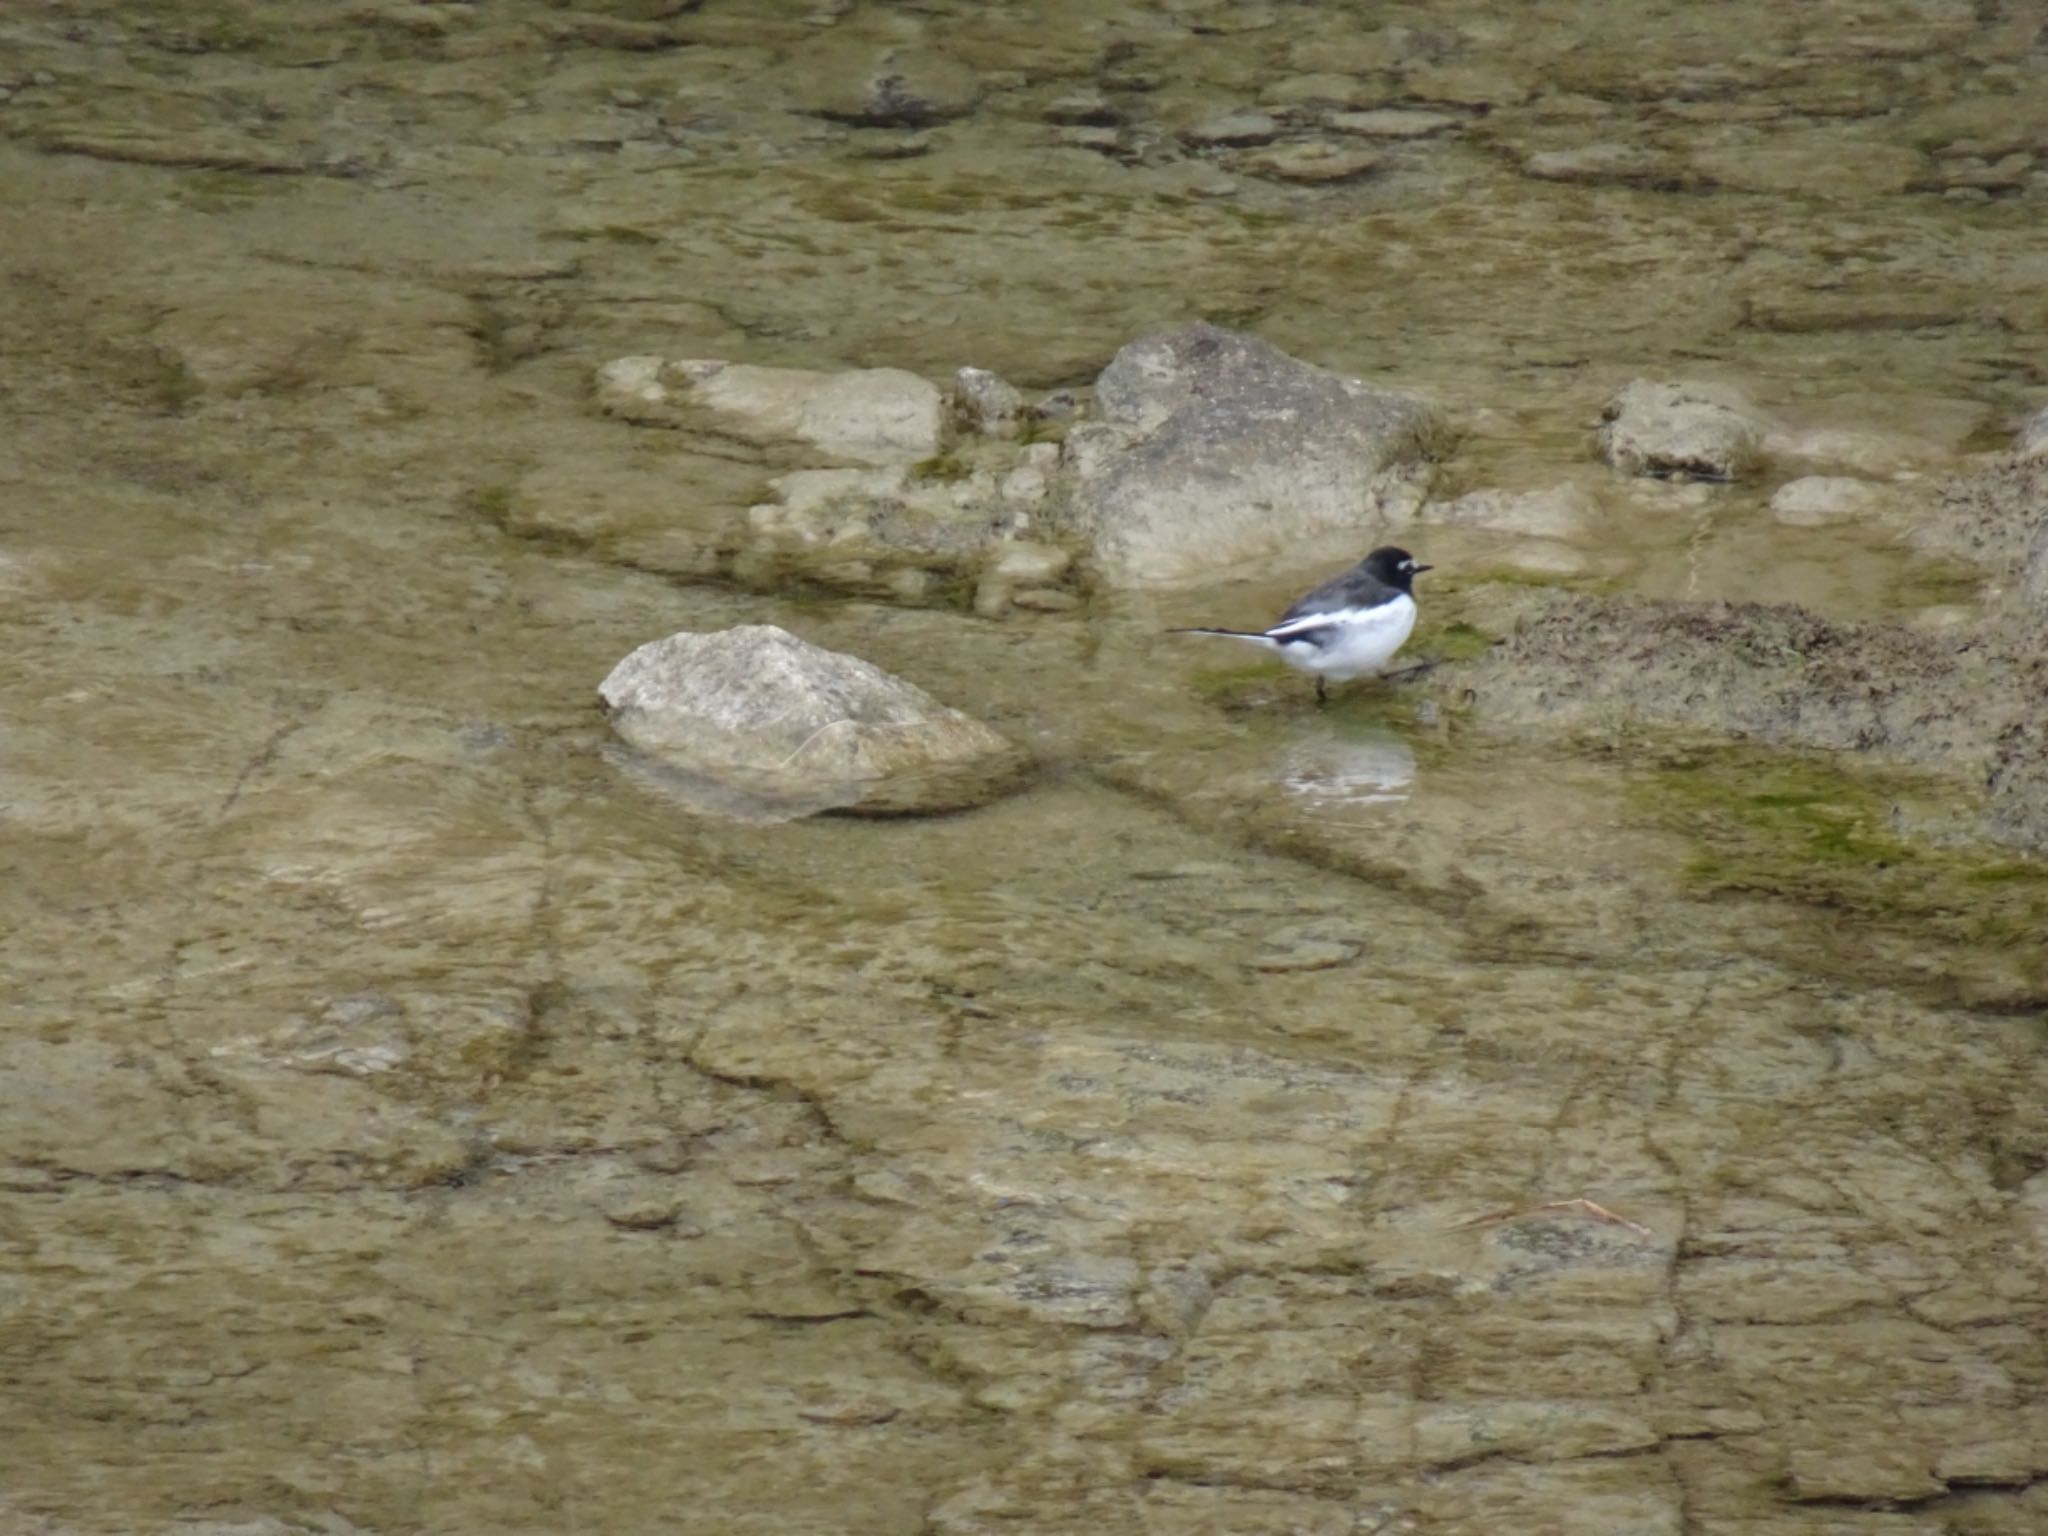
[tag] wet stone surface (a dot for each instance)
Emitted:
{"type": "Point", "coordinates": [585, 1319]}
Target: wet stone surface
{"type": "Point", "coordinates": [1593, 1084]}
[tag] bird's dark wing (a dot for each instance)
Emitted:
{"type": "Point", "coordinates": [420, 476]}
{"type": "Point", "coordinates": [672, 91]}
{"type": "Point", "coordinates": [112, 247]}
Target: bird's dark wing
{"type": "Point", "coordinates": [1355, 588]}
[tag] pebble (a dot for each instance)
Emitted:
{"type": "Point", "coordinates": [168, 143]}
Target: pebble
{"type": "Point", "coordinates": [641, 1210]}
{"type": "Point", "coordinates": [1021, 560]}
{"type": "Point", "coordinates": [1391, 123]}
{"type": "Point", "coordinates": [1306, 955]}
{"type": "Point", "coordinates": [1104, 141]}
{"type": "Point", "coordinates": [1316, 164]}
{"type": "Point", "coordinates": [984, 401]}
{"type": "Point", "coordinates": [849, 1414]}
{"type": "Point", "coordinates": [1045, 600]}
{"type": "Point", "coordinates": [882, 144]}
{"type": "Point", "coordinates": [1084, 109]}
{"type": "Point", "coordinates": [1235, 130]}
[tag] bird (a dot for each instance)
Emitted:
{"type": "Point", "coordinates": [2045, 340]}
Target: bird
{"type": "Point", "coordinates": [1348, 627]}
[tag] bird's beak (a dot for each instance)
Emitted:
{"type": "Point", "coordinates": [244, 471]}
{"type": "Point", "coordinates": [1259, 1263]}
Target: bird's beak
{"type": "Point", "coordinates": [1420, 569]}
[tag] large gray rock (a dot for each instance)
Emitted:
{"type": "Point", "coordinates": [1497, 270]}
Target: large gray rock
{"type": "Point", "coordinates": [758, 724]}
{"type": "Point", "coordinates": [1215, 447]}
{"type": "Point", "coordinates": [1701, 431]}
{"type": "Point", "coordinates": [868, 415]}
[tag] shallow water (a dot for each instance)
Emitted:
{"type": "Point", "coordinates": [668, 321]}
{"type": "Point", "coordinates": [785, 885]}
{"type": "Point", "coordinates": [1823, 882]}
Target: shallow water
{"type": "Point", "coordinates": [412, 1123]}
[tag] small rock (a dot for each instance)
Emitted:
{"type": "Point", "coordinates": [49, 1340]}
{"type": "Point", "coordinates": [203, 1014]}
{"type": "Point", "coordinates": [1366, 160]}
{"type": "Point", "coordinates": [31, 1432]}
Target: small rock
{"type": "Point", "coordinates": [1391, 123]}
{"type": "Point", "coordinates": [1315, 163]}
{"type": "Point", "coordinates": [1840, 1474]}
{"type": "Point", "coordinates": [1318, 90]}
{"type": "Point", "coordinates": [1483, 87]}
{"type": "Point", "coordinates": [869, 415]}
{"type": "Point", "coordinates": [904, 89]}
{"type": "Point", "coordinates": [1103, 141]}
{"type": "Point", "coordinates": [991, 597]}
{"type": "Point", "coordinates": [1306, 955]}
{"type": "Point", "coordinates": [1022, 560]}
{"type": "Point", "coordinates": [1816, 501]}
{"type": "Point", "coordinates": [901, 146]}
{"type": "Point", "coordinates": [2010, 1462]}
{"type": "Point", "coordinates": [757, 711]}
{"type": "Point", "coordinates": [849, 1412]}
{"type": "Point", "coordinates": [1594, 163]}
{"type": "Point", "coordinates": [1234, 130]}
{"type": "Point", "coordinates": [1045, 600]}
{"type": "Point", "coordinates": [1695, 430]}
{"type": "Point", "coordinates": [1031, 481]}
{"type": "Point", "coordinates": [879, 532]}
{"type": "Point", "coordinates": [1084, 109]}
{"type": "Point", "coordinates": [641, 1207]}
{"type": "Point", "coordinates": [2007, 175]}
{"type": "Point", "coordinates": [984, 403]}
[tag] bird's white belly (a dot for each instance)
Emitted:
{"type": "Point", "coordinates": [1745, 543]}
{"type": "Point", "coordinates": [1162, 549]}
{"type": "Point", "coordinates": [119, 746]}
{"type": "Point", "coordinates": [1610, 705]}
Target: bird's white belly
{"type": "Point", "coordinates": [1361, 643]}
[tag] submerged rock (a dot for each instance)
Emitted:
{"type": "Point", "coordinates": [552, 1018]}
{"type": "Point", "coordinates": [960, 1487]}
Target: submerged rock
{"type": "Point", "coordinates": [1964, 702]}
{"type": "Point", "coordinates": [1815, 501]}
{"type": "Point", "coordinates": [761, 725]}
{"type": "Point", "coordinates": [983, 402]}
{"type": "Point", "coordinates": [1554, 512]}
{"type": "Point", "coordinates": [1215, 447]}
{"type": "Point", "coordinates": [868, 415]}
{"type": "Point", "coordinates": [1698, 430]}
{"type": "Point", "coordinates": [894, 534]}
{"type": "Point", "coordinates": [901, 88]}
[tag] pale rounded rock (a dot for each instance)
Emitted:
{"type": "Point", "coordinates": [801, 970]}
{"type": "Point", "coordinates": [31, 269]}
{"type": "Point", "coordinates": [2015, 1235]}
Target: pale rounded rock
{"type": "Point", "coordinates": [1235, 130]}
{"type": "Point", "coordinates": [984, 402]}
{"type": "Point", "coordinates": [1817, 501]}
{"type": "Point", "coordinates": [766, 717]}
{"type": "Point", "coordinates": [1698, 431]}
{"type": "Point", "coordinates": [1391, 123]}
{"type": "Point", "coordinates": [1315, 164]}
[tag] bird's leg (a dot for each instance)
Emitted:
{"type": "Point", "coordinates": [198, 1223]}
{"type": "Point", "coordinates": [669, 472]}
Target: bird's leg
{"type": "Point", "coordinates": [1322, 690]}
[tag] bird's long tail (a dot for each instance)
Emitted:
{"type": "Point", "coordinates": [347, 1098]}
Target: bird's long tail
{"type": "Point", "coordinates": [1229, 634]}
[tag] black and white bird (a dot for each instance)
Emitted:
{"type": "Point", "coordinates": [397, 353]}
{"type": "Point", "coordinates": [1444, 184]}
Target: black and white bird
{"type": "Point", "coordinates": [1348, 627]}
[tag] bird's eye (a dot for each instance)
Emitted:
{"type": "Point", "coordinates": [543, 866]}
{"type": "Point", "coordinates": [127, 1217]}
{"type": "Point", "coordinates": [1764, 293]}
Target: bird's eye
{"type": "Point", "coordinates": [1407, 565]}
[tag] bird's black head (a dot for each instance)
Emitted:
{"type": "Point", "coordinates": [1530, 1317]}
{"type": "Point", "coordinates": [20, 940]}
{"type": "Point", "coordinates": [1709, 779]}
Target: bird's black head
{"type": "Point", "coordinates": [1396, 567]}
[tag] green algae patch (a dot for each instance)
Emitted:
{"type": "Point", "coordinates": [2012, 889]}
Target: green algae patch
{"type": "Point", "coordinates": [1828, 835]}
{"type": "Point", "coordinates": [942, 468]}
{"type": "Point", "coordinates": [1455, 641]}
{"type": "Point", "coordinates": [1932, 583]}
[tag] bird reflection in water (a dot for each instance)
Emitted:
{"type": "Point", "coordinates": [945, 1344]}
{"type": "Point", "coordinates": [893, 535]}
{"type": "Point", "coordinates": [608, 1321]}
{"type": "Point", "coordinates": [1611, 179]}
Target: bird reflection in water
{"type": "Point", "coordinates": [1359, 765]}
